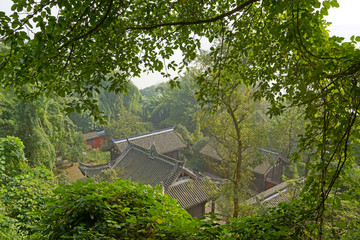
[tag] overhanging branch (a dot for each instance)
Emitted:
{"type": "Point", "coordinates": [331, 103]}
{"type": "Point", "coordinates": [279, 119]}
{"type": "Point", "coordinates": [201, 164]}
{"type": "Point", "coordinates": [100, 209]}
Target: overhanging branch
{"type": "Point", "coordinates": [201, 21]}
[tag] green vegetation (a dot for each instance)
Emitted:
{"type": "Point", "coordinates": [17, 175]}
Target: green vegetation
{"type": "Point", "coordinates": [96, 156]}
{"type": "Point", "coordinates": [43, 127]}
{"type": "Point", "coordinates": [31, 207]}
{"type": "Point", "coordinates": [81, 60]}
{"type": "Point", "coordinates": [164, 106]}
{"type": "Point", "coordinates": [23, 190]}
{"type": "Point", "coordinates": [12, 157]}
{"type": "Point", "coordinates": [119, 210]}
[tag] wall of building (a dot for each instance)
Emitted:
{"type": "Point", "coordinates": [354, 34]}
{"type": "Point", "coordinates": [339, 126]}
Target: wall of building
{"type": "Point", "coordinates": [95, 142]}
{"type": "Point", "coordinates": [98, 141]}
{"type": "Point", "coordinates": [90, 143]}
{"type": "Point", "coordinates": [197, 211]}
{"type": "Point", "coordinates": [173, 154]}
{"type": "Point", "coordinates": [258, 183]}
{"type": "Point", "coordinates": [275, 173]}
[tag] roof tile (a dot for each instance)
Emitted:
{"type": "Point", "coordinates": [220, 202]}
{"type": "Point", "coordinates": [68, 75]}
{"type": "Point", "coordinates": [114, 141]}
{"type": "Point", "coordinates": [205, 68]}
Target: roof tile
{"type": "Point", "coordinates": [190, 192]}
{"type": "Point", "coordinates": [165, 140]}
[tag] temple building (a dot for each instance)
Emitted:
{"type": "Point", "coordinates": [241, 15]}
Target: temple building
{"type": "Point", "coordinates": [167, 143]}
{"type": "Point", "coordinates": [148, 166]}
{"type": "Point", "coordinates": [266, 166]}
{"type": "Point", "coordinates": [94, 139]}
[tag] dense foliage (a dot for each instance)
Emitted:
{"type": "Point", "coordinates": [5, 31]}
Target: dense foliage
{"type": "Point", "coordinates": [23, 195]}
{"type": "Point", "coordinates": [119, 210]}
{"type": "Point", "coordinates": [43, 127]}
{"type": "Point", "coordinates": [111, 105]}
{"type": "Point", "coordinates": [22, 191]}
{"type": "Point", "coordinates": [12, 156]}
{"type": "Point", "coordinates": [165, 106]}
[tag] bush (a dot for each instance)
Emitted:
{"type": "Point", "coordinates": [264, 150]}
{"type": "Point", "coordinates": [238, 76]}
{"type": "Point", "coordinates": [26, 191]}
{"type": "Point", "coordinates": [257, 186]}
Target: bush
{"type": "Point", "coordinates": [118, 210]}
{"type": "Point", "coordinates": [12, 157]}
{"type": "Point", "coordinates": [8, 230]}
{"type": "Point", "coordinates": [24, 194]}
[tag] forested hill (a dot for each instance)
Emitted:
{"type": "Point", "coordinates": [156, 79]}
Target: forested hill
{"type": "Point", "coordinates": [111, 105]}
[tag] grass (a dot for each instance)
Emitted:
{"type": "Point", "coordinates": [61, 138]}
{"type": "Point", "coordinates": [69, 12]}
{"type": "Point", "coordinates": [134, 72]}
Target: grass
{"type": "Point", "coordinates": [96, 156]}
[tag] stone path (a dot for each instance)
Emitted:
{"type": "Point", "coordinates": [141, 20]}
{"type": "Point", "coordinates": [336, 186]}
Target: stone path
{"type": "Point", "coordinates": [72, 171]}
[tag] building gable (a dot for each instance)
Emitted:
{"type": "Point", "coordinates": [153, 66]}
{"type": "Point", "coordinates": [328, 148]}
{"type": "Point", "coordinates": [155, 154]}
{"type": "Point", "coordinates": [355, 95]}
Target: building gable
{"type": "Point", "coordinates": [146, 166]}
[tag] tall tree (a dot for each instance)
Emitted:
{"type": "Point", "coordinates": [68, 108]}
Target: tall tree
{"type": "Point", "coordinates": [169, 107]}
{"type": "Point", "coordinates": [290, 56]}
{"type": "Point", "coordinates": [111, 104]}
{"type": "Point", "coordinates": [12, 157]}
{"type": "Point", "coordinates": [231, 121]}
{"type": "Point", "coordinates": [125, 125]}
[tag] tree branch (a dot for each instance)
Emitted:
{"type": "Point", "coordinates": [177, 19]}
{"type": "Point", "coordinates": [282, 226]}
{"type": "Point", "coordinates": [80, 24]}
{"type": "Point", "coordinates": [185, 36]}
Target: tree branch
{"type": "Point", "coordinates": [201, 21]}
{"type": "Point", "coordinates": [91, 30]}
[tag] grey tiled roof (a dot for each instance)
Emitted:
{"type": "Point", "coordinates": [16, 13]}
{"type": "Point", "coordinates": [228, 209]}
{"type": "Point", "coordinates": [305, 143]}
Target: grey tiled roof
{"type": "Point", "coordinates": [91, 135]}
{"type": "Point", "coordinates": [190, 192]}
{"type": "Point", "coordinates": [283, 192]}
{"type": "Point", "coordinates": [93, 170]}
{"type": "Point", "coordinates": [267, 157]}
{"type": "Point", "coordinates": [210, 150]}
{"type": "Point", "coordinates": [165, 140]}
{"type": "Point", "coordinates": [135, 163]}
{"type": "Point", "coordinates": [268, 193]}
{"type": "Point", "coordinates": [283, 196]}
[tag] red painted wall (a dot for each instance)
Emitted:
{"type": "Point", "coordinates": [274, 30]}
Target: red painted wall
{"type": "Point", "coordinates": [97, 141]}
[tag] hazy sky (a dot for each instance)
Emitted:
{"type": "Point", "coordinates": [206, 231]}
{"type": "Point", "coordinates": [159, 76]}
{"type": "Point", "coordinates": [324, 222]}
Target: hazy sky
{"type": "Point", "coordinates": [345, 22]}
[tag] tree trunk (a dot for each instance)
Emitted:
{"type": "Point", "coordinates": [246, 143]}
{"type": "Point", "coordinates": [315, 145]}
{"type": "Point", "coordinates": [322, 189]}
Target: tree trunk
{"type": "Point", "coordinates": [213, 206]}
{"type": "Point", "coordinates": [237, 174]}
{"type": "Point", "coordinates": [237, 182]}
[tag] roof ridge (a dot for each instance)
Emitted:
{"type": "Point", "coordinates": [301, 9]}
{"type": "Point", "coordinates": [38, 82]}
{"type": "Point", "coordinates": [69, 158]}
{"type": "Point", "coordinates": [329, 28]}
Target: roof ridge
{"type": "Point", "coordinates": [157, 155]}
{"type": "Point", "coordinates": [269, 150]}
{"type": "Point", "coordinates": [175, 171]}
{"type": "Point", "coordinates": [121, 156]}
{"type": "Point", "coordinates": [94, 166]}
{"type": "Point", "coordinates": [145, 134]}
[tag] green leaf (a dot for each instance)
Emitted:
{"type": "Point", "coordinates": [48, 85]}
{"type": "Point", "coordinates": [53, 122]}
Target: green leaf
{"type": "Point", "coordinates": [324, 11]}
{"type": "Point", "coordinates": [334, 3]}
{"type": "Point", "coordinates": [326, 4]}
{"type": "Point", "coordinates": [317, 4]}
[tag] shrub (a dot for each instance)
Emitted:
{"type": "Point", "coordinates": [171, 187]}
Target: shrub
{"type": "Point", "coordinates": [118, 210]}
{"type": "Point", "coordinates": [24, 194]}
{"type": "Point", "coordinates": [12, 157]}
